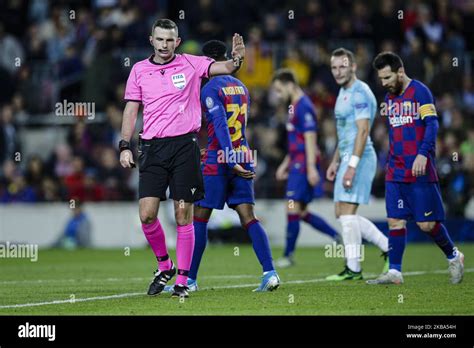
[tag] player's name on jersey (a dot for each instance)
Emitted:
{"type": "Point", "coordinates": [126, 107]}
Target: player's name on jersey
{"type": "Point", "coordinates": [233, 90]}
{"type": "Point", "coordinates": [238, 155]}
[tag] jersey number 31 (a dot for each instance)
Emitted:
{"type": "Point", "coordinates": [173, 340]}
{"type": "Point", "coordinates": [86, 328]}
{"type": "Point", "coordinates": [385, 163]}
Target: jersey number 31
{"type": "Point", "coordinates": [239, 117]}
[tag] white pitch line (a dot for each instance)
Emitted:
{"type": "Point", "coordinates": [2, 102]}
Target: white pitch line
{"type": "Point", "coordinates": [73, 301]}
{"type": "Point", "coordinates": [133, 294]}
{"type": "Point", "coordinates": [46, 281]}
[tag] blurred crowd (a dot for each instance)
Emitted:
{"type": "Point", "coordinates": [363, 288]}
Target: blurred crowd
{"type": "Point", "coordinates": [52, 51]}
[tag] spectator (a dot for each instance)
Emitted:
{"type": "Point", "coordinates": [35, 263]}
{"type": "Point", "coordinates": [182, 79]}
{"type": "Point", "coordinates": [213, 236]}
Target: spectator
{"type": "Point", "coordinates": [9, 144]}
{"type": "Point", "coordinates": [74, 182]}
{"type": "Point", "coordinates": [18, 191]}
{"type": "Point", "coordinates": [257, 69]}
{"type": "Point", "coordinates": [35, 173]}
{"type": "Point", "coordinates": [77, 232]}
{"type": "Point", "coordinates": [111, 175]}
{"type": "Point", "coordinates": [12, 54]}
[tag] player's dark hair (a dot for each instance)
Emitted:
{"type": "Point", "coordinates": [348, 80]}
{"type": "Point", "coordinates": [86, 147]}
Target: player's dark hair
{"type": "Point", "coordinates": [285, 76]}
{"type": "Point", "coordinates": [215, 49]}
{"type": "Point", "coordinates": [341, 51]}
{"type": "Point", "coordinates": [164, 23]}
{"type": "Point", "coordinates": [390, 59]}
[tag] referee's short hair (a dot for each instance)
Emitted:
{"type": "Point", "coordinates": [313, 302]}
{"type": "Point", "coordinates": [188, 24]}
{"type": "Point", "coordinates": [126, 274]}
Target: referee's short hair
{"type": "Point", "coordinates": [215, 49]}
{"type": "Point", "coordinates": [164, 23]}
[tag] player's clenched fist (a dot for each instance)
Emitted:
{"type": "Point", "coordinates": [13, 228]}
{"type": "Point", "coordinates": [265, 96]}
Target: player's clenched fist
{"type": "Point", "coordinates": [126, 159]}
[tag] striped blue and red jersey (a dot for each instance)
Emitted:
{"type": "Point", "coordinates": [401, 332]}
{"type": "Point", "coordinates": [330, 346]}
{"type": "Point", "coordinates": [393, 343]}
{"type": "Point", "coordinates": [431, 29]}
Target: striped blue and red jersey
{"type": "Point", "coordinates": [301, 119]}
{"type": "Point", "coordinates": [409, 115]}
{"type": "Point", "coordinates": [225, 101]}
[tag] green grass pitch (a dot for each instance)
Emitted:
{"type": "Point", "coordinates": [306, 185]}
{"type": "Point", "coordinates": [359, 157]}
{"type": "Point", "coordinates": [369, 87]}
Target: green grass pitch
{"type": "Point", "coordinates": [108, 282]}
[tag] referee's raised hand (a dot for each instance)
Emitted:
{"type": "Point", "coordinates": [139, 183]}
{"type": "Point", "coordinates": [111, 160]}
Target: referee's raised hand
{"type": "Point", "coordinates": [126, 159]}
{"type": "Point", "coordinates": [238, 46]}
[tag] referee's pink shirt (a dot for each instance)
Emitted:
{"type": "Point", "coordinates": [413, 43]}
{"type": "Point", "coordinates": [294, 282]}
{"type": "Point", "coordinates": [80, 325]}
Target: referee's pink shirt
{"type": "Point", "coordinates": [169, 94]}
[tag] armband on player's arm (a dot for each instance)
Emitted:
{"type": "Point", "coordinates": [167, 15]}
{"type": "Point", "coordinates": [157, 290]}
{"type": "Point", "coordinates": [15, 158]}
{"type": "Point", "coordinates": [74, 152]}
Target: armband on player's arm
{"type": "Point", "coordinates": [429, 140]}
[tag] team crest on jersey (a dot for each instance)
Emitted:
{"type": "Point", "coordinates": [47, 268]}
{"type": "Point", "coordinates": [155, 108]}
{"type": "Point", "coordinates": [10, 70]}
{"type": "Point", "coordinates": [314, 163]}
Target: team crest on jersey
{"type": "Point", "coordinates": [179, 80]}
{"type": "Point", "coordinates": [308, 119]}
{"type": "Point", "coordinates": [209, 102]}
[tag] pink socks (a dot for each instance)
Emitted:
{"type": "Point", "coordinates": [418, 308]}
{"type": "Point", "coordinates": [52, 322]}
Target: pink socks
{"type": "Point", "coordinates": [184, 248]}
{"type": "Point", "coordinates": [156, 238]}
{"type": "Point", "coordinates": [184, 252]}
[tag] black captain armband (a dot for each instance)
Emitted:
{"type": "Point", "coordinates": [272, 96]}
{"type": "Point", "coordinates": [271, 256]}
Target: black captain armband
{"type": "Point", "coordinates": [124, 145]}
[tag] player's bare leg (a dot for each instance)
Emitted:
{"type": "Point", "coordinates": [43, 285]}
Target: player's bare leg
{"type": "Point", "coordinates": [438, 232]}
{"type": "Point", "coordinates": [148, 211]}
{"type": "Point", "coordinates": [397, 242]}
{"type": "Point", "coordinates": [352, 239]}
{"type": "Point", "coordinates": [261, 246]}
{"type": "Point", "coordinates": [183, 212]}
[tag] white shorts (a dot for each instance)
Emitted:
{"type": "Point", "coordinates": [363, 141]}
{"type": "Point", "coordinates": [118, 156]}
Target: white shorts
{"type": "Point", "coordinates": [362, 184]}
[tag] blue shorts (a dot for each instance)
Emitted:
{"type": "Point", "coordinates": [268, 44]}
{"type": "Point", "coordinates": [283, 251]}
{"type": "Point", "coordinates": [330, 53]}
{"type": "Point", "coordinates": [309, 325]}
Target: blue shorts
{"type": "Point", "coordinates": [420, 201]}
{"type": "Point", "coordinates": [362, 185]}
{"type": "Point", "coordinates": [230, 189]}
{"type": "Point", "coordinates": [298, 188]}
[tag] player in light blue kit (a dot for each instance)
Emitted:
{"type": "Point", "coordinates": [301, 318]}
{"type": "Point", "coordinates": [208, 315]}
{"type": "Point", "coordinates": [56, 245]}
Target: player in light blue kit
{"type": "Point", "coordinates": [354, 163]}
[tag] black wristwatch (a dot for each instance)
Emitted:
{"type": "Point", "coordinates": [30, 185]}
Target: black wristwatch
{"type": "Point", "coordinates": [124, 145]}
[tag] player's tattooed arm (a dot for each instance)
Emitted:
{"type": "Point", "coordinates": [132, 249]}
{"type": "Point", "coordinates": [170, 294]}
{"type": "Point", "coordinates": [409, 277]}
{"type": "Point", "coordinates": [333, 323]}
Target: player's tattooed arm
{"type": "Point", "coordinates": [130, 114]}
{"type": "Point", "coordinates": [311, 147]}
{"type": "Point", "coordinates": [232, 65]}
{"type": "Point", "coordinates": [363, 127]}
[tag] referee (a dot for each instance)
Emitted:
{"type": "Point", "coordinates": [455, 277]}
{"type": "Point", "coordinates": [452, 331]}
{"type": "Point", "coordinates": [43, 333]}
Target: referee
{"type": "Point", "coordinates": [168, 86]}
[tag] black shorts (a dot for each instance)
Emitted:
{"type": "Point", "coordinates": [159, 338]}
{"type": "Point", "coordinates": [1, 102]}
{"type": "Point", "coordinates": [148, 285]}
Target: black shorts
{"type": "Point", "coordinates": [173, 162]}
